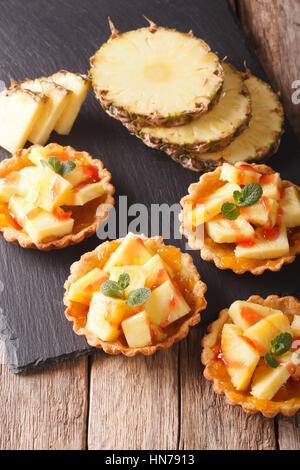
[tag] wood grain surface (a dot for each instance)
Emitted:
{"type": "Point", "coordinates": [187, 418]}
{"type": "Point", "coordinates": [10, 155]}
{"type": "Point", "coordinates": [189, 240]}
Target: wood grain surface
{"type": "Point", "coordinates": [162, 401]}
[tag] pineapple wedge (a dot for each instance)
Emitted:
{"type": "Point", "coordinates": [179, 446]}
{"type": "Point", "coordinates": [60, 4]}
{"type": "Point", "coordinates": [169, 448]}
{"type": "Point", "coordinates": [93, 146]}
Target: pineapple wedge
{"type": "Point", "coordinates": [136, 273]}
{"type": "Point", "coordinates": [84, 194]}
{"type": "Point", "coordinates": [137, 330]}
{"type": "Point", "coordinates": [296, 325]}
{"type": "Point", "coordinates": [262, 333]}
{"type": "Point", "coordinates": [19, 112]}
{"type": "Point", "coordinates": [166, 305]}
{"type": "Point", "coordinates": [157, 272]}
{"type": "Point", "coordinates": [266, 381]}
{"type": "Point", "coordinates": [290, 205]}
{"type": "Point", "coordinates": [245, 314]}
{"type": "Point", "coordinates": [209, 207]}
{"type": "Point", "coordinates": [131, 251]}
{"type": "Point", "coordinates": [57, 100]}
{"type": "Point", "coordinates": [241, 358]}
{"type": "Point", "coordinates": [264, 249]}
{"type": "Point", "coordinates": [50, 190]}
{"type": "Point", "coordinates": [262, 213]}
{"type": "Point", "coordinates": [105, 316]}
{"type": "Point", "coordinates": [83, 289]}
{"type": "Point", "coordinates": [222, 230]}
{"type": "Point", "coordinates": [79, 85]}
{"type": "Point", "coordinates": [271, 185]}
{"type": "Point", "coordinates": [240, 174]}
{"type": "Point", "coordinates": [40, 225]}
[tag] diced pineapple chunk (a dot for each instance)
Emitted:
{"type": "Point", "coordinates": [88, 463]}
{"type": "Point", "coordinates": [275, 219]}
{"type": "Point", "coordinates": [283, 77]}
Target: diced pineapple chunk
{"type": "Point", "coordinates": [37, 154]}
{"type": "Point", "coordinates": [241, 358]}
{"type": "Point", "coordinates": [210, 206]}
{"type": "Point", "coordinates": [264, 249]}
{"type": "Point", "coordinates": [8, 186]}
{"type": "Point", "coordinates": [296, 325]}
{"type": "Point", "coordinates": [137, 330]}
{"type": "Point", "coordinates": [27, 180]}
{"type": "Point", "coordinates": [290, 205]}
{"type": "Point", "coordinates": [157, 272]}
{"type": "Point", "coordinates": [86, 193]}
{"type": "Point", "coordinates": [79, 85]}
{"type": "Point", "coordinates": [242, 175]}
{"type": "Point", "coordinates": [263, 212]}
{"type": "Point", "coordinates": [50, 191]}
{"type": "Point", "coordinates": [245, 314]}
{"type": "Point", "coordinates": [105, 316]}
{"type": "Point", "coordinates": [39, 224]}
{"type": "Point", "coordinates": [83, 289]}
{"type": "Point", "coordinates": [132, 250]}
{"type": "Point", "coordinates": [19, 111]}
{"type": "Point", "coordinates": [77, 176]}
{"type": "Point", "coordinates": [57, 100]}
{"type": "Point", "coordinates": [136, 273]}
{"type": "Point", "coordinates": [222, 230]}
{"type": "Point", "coordinates": [266, 381]}
{"type": "Point", "coordinates": [262, 333]}
{"type": "Point", "coordinates": [271, 185]}
{"type": "Point", "coordinates": [166, 305]}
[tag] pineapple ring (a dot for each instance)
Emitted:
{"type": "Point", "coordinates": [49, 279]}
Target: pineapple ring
{"type": "Point", "coordinates": [14, 234]}
{"type": "Point", "coordinates": [137, 76]}
{"type": "Point", "coordinates": [223, 254]}
{"type": "Point", "coordinates": [222, 385]}
{"type": "Point", "coordinates": [185, 274]}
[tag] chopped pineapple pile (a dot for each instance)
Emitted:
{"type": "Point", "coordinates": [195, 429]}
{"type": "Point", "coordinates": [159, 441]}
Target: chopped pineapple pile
{"type": "Point", "coordinates": [111, 315]}
{"type": "Point", "coordinates": [260, 230]}
{"type": "Point", "coordinates": [245, 342]}
{"type": "Point", "coordinates": [35, 194]}
{"type": "Point", "coordinates": [33, 109]}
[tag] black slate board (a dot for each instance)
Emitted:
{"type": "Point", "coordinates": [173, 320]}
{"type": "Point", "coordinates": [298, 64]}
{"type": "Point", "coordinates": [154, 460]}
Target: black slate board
{"type": "Point", "coordinates": [37, 38]}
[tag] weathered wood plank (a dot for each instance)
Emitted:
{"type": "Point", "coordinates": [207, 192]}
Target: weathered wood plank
{"type": "Point", "coordinates": [273, 28]}
{"type": "Point", "coordinates": [289, 432]}
{"type": "Point", "coordinates": [134, 402]}
{"type": "Point", "coordinates": [207, 422]}
{"type": "Point", "coordinates": [45, 409]}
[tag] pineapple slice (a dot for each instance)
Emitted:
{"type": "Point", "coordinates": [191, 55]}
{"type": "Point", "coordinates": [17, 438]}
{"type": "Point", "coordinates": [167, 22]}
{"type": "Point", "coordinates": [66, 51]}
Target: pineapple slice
{"type": "Point", "coordinates": [266, 381]}
{"type": "Point", "coordinates": [290, 205]}
{"type": "Point", "coordinates": [50, 191]}
{"type": "Point", "coordinates": [136, 273]}
{"type": "Point", "coordinates": [264, 249]}
{"type": "Point", "coordinates": [40, 225]}
{"type": "Point", "coordinates": [262, 213]}
{"type": "Point", "coordinates": [85, 193]}
{"type": "Point", "coordinates": [105, 316]}
{"type": "Point", "coordinates": [79, 85]}
{"type": "Point", "coordinates": [136, 76]}
{"type": "Point", "coordinates": [57, 100]}
{"type": "Point", "coordinates": [296, 325]}
{"type": "Point", "coordinates": [166, 305]}
{"type": "Point", "coordinates": [262, 333]}
{"type": "Point", "coordinates": [210, 206]}
{"type": "Point", "coordinates": [131, 251]}
{"type": "Point", "coordinates": [137, 330]}
{"type": "Point", "coordinates": [271, 185]}
{"type": "Point", "coordinates": [245, 314]}
{"type": "Point", "coordinates": [240, 174]}
{"type": "Point", "coordinates": [157, 272]}
{"type": "Point", "coordinates": [241, 358]}
{"type": "Point", "coordinates": [83, 289]}
{"type": "Point", "coordinates": [19, 112]}
{"type": "Point", "coordinates": [222, 230]}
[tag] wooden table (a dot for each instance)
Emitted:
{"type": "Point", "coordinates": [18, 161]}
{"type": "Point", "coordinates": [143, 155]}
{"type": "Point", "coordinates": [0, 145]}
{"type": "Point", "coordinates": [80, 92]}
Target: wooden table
{"type": "Point", "coordinates": [161, 402]}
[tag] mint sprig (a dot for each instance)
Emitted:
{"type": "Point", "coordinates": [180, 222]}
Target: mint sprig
{"type": "Point", "coordinates": [62, 168]}
{"type": "Point", "coordinates": [112, 289]}
{"type": "Point", "coordinates": [138, 296]}
{"type": "Point", "coordinates": [117, 290]}
{"type": "Point", "coordinates": [279, 346]}
{"type": "Point", "coordinates": [271, 361]}
{"type": "Point", "coordinates": [250, 194]}
{"type": "Point", "coordinates": [230, 211]}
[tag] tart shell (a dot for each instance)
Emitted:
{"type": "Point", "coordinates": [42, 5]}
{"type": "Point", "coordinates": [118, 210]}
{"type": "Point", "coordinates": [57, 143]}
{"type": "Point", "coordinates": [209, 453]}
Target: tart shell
{"type": "Point", "coordinates": [77, 313]}
{"type": "Point", "coordinates": [18, 161]}
{"type": "Point", "coordinates": [289, 306]}
{"type": "Point", "coordinates": [220, 253]}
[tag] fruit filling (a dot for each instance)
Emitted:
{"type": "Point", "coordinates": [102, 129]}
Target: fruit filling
{"type": "Point", "coordinates": [133, 297]}
{"type": "Point", "coordinates": [39, 198]}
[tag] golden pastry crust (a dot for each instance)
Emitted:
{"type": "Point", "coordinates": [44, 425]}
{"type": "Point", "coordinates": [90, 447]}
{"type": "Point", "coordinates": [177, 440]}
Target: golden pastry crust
{"type": "Point", "coordinates": [223, 254]}
{"type": "Point", "coordinates": [77, 313]}
{"type": "Point", "coordinates": [269, 408]}
{"type": "Point", "coordinates": [18, 161]}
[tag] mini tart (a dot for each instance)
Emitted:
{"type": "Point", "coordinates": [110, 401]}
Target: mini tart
{"type": "Point", "coordinates": [287, 398]}
{"type": "Point", "coordinates": [86, 217]}
{"type": "Point", "coordinates": [184, 276]}
{"type": "Point", "coordinates": [222, 254]}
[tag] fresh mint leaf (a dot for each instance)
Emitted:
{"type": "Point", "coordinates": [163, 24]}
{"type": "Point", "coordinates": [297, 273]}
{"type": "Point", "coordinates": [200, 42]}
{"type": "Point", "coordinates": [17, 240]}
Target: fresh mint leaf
{"type": "Point", "coordinates": [54, 163]}
{"type": "Point", "coordinates": [112, 289]}
{"type": "Point", "coordinates": [138, 296]}
{"type": "Point", "coordinates": [238, 197]}
{"type": "Point", "coordinates": [230, 211]}
{"type": "Point", "coordinates": [281, 344]}
{"type": "Point", "coordinates": [271, 361]}
{"type": "Point", "coordinates": [251, 194]}
{"type": "Point", "coordinates": [124, 280]}
{"type": "Point", "coordinates": [67, 167]}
